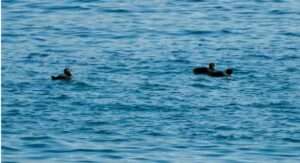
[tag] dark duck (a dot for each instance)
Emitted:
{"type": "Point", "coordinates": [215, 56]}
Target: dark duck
{"type": "Point", "coordinates": [65, 76]}
{"type": "Point", "coordinates": [210, 71]}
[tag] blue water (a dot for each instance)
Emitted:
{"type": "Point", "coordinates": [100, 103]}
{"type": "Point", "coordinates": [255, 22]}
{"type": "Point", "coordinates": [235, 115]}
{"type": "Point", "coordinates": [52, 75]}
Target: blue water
{"type": "Point", "coordinates": [134, 97]}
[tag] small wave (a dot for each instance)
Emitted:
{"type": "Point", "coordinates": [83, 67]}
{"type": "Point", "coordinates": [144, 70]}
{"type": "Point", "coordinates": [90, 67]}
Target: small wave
{"type": "Point", "coordinates": [278, 1]}
{"type": "Point", "coordinates": [292, 140]}
{"type": "Point", "coordinates": [199, 85]}
{"type": "Point", "coordinates": [288, 57]}
{"type": "Point", "coordinates": [13, 112]}
{"type": "Point", "coordinates": [66, 8]}
{"type": "Point", "coordinates": [227, 31]}
{"type": "Point", "coordinates": [39, 39]}
{"type": "Point", "coordinates": [224, 128]}
{"type": "Point", "coordinates": [31, 55]}
{"type": "Point", "coordinates": [153, 133]}
{"type": "Point", "coordinates": [12, 35]}
{"type": "Point", "coordinates": [83, 85]}
{"type": "Point", "coordinates": [52, 50]}
{"type": "Point", "coordinates": [195, 0]}
{"type": "Point", "coordinates": [34, 138]}
{"type": "Point", "coordinates": [113, 156]}
{"type": "Point", "coordinates": [36, 145]}
{"type": "Point", "coordinates": [227, 48]}
{"type": "Point", "coordinates": [6, 148]}
{"type": "Point", "coordinates": [104, 132]}
{"type": "Point", "coordinates": [198, 32]}
{"type": "Point", "coordinates": [260, 56]}
{"type": "Point", "coordinates": [96, 123]}
{"type": "Point", "coordinates": [85, 1]}
{"type": "Point", "coordinates": [208, 32]}
{"type": "Point", "coordinates": [278, 12]}
{"type": "Point", "coordinates": [116, 10]}
{"type": "Point", "coordinates": [292, 34]}
{"type": "Point", "coordinates": [80, 150]}
{"type": "Point", "coordinates": [291, 69]}
{"type": "Point", "coordinates": [61, 97]}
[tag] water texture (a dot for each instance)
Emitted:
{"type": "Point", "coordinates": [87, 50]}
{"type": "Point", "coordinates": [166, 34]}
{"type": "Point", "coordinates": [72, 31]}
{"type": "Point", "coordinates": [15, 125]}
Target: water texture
{"type": "Point", "coordinates": [134, 97]}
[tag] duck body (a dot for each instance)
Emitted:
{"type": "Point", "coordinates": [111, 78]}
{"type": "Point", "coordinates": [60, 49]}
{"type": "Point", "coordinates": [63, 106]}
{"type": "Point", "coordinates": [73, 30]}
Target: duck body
{"type": "Point", "coordinates": [227, 72]}
{"type": "Point", "coordinates": [65, 76]}
{"type": "Point", "coordinates": [61, 77]}
{"type": "Point", "coordinates": [201, 70]}
{"type": "Point", "coordinates": [204, 70]}
{"type": "Point", "coordinates": [217, 74]}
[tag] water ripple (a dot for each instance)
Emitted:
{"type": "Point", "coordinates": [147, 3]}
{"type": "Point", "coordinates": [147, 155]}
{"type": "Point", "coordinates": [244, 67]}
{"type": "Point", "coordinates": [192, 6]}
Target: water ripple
{"type": "Point", "coordinates": [134, 97]}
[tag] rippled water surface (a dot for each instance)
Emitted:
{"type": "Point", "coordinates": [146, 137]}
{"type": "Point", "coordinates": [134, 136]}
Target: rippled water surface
{"type": "Point", "coordinates": [134, 97]}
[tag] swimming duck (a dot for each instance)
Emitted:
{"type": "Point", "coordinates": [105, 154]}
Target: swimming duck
{"type": "Point", "coordinates": [210, 71]}
{"type": "Point", "coordinates": [66, 76]}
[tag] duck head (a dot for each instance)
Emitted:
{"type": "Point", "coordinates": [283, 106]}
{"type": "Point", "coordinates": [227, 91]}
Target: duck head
{"type": "Point", "coordinates": [211, 66]}
{"type": "Point", "coordinates": [67, 72]}
{"type": "Point", "coordinates": [229, 71]}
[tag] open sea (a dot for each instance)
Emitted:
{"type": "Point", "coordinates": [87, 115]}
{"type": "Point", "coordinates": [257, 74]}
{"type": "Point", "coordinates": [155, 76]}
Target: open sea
{"type": "Point", "coordinates": [134, 97]}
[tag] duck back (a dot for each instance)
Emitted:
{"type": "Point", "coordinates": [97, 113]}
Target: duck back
{"type": "Point", "coordinates": [60, 77]}
{"type": "Point", "coordinates": [201, 70]}
{"type": "Point", "coordinates": [217, 74]}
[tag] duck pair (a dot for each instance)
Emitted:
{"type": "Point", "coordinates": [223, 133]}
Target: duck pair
{"type": "Point", "coordinates": [210, 71]}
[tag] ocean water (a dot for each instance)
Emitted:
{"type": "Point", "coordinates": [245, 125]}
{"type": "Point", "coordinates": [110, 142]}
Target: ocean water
{"type": "Point", "coordinates": [134, 98]}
